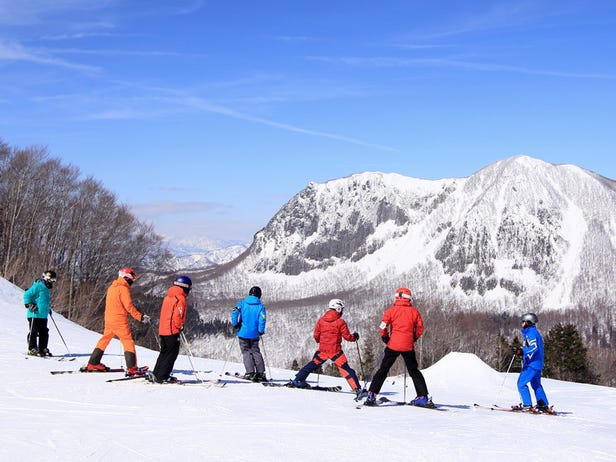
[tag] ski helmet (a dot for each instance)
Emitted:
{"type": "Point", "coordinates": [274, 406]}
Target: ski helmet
{"type": "Point", "coordinates": [336, 304]}
{"type": "Point", "coordinates": [530, 318]}
{"type": "Point", "coordinates": [184, 282]}
{"type": "Point", "coordinates": [403, 292]}
{"type": "Point", "coordinates": [256, 291]}
{"type": "Point", "coordinates": [49, 276]}
{"type": "Point", "coordinates": [128, 274]}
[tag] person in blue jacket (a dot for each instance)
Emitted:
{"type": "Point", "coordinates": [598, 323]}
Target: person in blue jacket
{"type": "Point", "coordinates": [248, 317]}
{"type": "Point", "coordinates": [532, 365]}
{"type": "Point", "coordinates": [37, 299]}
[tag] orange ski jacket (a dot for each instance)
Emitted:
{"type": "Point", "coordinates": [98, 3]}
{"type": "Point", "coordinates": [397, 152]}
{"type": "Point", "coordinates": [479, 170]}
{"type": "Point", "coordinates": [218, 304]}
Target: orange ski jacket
{"type": "Point", "coordinates": [119, 304]}
{"type": "Point", "coordinates": [172, 312]}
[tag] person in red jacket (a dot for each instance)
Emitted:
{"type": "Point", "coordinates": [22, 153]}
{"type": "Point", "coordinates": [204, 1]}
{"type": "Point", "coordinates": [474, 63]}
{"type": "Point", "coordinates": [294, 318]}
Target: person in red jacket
{"type": "Point", "coordinates": [118, 305]}
{"type": "Point", "coordinates": [400, 328]}
{"type": "Point", "coordinates": [328, 333]}
{"type": "Point", "coordinates": [172, 319]}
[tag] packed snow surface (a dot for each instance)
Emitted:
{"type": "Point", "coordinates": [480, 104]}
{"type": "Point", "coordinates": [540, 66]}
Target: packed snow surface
{"type": "Point", "coordinates": [76, 417]}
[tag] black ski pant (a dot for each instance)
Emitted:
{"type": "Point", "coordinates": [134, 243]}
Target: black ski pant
{"type": "Point", "coordinates": [169, 350]}
{"type": "Point", "coordinates": [38, 333]}
{"type": "Point", "coordinates": [389, 357]}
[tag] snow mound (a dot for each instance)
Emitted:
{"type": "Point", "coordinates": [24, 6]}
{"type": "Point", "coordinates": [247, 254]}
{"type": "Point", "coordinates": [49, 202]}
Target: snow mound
{"type": "Point", "coordinates": [465, 370]}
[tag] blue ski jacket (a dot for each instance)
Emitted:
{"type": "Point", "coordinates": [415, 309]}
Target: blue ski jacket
{"type": "Point", "coordinates": [38, 293]}
{"type": "Point", "coordinates": [250, 315]}
{"type": "Point", "coordinates": [532, 348]}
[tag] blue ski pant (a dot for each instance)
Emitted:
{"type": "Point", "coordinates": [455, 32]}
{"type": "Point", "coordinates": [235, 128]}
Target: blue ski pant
{"type": "Point", "coordinates": [532, 376]}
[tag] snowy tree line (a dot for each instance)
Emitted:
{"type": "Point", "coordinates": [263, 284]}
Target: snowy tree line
{"type": "Point", "coordinates": [50, 218]}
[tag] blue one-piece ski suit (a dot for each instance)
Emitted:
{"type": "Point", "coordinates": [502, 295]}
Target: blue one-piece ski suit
{"type": "Point", "coordinates": [532, 365]}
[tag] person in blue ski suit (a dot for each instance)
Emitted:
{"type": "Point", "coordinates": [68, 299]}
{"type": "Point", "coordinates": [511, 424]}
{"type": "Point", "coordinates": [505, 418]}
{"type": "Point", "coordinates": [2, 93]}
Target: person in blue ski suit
{"type": "Point", "coordinates": [249, 317]}
{"type": "Point", "coordinates": [37, 299]}
{"type": "Point", "coordinates": [532, 363]}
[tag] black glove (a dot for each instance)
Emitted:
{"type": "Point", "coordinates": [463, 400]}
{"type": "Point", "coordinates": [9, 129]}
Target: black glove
{"type": "Point", "coordinates": [517, 351]}
{"type": "Point", "coordinates": [356, 336]}
{"type": "Point", "coordinates": [385, 339]}
{"type": "Point", "coordinates": [32, 307]}
{"type": "Point", "coordinates": [238, 326]}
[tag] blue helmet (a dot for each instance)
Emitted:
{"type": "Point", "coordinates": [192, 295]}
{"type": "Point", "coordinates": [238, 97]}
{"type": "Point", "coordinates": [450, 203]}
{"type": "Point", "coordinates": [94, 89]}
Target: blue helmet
{"type": "Point", "coordinates": [184, 282]}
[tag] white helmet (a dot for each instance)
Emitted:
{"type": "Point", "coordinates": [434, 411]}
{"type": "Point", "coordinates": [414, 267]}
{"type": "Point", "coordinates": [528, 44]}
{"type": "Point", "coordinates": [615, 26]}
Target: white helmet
{"type": "Point", "coordinates": [336, 304]}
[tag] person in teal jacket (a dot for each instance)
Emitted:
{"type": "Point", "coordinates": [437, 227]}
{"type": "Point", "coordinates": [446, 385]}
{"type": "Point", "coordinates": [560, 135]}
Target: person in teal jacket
{"type": "Point", "coordinates": [37, 300]}
{"type": "Point", "coordinates": [248, 317]}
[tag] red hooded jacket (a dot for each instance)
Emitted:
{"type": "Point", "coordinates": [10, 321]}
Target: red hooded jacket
{"type": "Point", "coordinates": [329, 332]}
{"type": "Point", "coordinates": [173, 312]}
{"type": "Point", "coordinates": [403, 324]}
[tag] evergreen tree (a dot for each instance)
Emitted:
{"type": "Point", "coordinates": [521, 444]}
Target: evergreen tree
{"type": "Point", "coordinates": [566, 355]}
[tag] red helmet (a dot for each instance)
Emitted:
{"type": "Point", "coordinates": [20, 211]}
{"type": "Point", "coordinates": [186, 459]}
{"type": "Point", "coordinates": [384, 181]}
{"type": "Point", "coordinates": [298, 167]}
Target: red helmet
{"type": "Point", "coordinates": [403, 292]}
{"type": "Point", "coordinates": [127, 273]}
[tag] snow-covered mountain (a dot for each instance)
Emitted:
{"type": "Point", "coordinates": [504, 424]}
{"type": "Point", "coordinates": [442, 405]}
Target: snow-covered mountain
{"type": "Point", "coordinates": [202, 253]}
{"type": "Point", "coordinates": [519, 232]}
{"type": "Point", "coordinates": [80, 417]}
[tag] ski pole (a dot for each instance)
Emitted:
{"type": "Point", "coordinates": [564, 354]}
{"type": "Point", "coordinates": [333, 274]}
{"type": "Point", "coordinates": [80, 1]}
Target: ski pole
{"type": "Point", "coordinates": [155, 336]}
{"type": "Point", "coordinates": [222, 371]}
{"type": "Point", "coordinates": [59, 333]}
{"type": "Point", "coordinates": [266, 361]}
{"type": "Point", "coordinates": [376, 364]}
{"type": "Point", "coordinates": [31, 320]}
{"type": "Point", "coordinates": [190, 355]}
{"type": "Point", "coordinates": [404, 394]}
{"type": "Point", "coordinates": [504, 378]}
{"type": "Point", "coordinates": [361, 365]}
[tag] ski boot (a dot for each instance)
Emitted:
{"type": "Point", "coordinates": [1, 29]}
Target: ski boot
{"type": "Point", "coordinates": [34, 352]}
{"type": "Point", "coordinates": [371, 399]}
{"type": "Point", "coordinates": [136, 371]}
{"type": "Point", "coordinates": [100, 367]}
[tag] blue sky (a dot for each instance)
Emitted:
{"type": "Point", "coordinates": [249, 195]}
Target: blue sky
{"type": "Point", "coordinates": [207, 116]}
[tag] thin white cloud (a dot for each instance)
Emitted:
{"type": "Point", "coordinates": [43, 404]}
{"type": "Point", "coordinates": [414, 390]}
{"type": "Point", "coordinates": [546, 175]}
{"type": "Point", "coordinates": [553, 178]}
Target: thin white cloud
{"type": "Point", "coordinates": [395, 61]}
{"type": "Point", "coordinates": [203, 105]}
{"type": "Point", "coordinates": [11, 51]}
{"type": "Point", "coordinates": [174, 208]}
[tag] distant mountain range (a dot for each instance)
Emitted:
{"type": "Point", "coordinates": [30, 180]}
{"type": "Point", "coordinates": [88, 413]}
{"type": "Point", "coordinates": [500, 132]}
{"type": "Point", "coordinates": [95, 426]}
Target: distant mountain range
{"type": "Point", "coordinates": [203, 253]}
{"type": "Point", "coordinates": [520, 232]}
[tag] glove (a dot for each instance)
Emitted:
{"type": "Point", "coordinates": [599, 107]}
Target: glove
{"type": "Point", "coordinates": [385, 339]}
{"type": "Point", "coordinates": [32, 307]}
{"type": "Point", "coordinates": [238, 326]}
{"type": "Point", "coordinates": [145, 319]}
{"type": "Point", "coordinates": [517, 351]}
{"type": "Point", "coordinates": [356, 336]}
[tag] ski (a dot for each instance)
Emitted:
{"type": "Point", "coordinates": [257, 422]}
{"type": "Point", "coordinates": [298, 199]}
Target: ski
{"type": "Point", "coordinates": [83, 371]}
{"type": "Point", "coordinates": [215, 383]}
{"type": "Point", "coordinates": [237, 375]}
{"type": "Point", "coordinates": [384, 401]}
{"type": "Point", "coordinates": [334, 389]}
{"type": "Point", "coordinates": [52, 358]}
{"type": "Point", "coordinates": [128, 377]}
{"type": "Point", "coordinates": [533, 411]}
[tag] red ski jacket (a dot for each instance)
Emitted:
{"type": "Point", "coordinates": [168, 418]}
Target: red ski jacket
{"type": "Point", "coordinates": [403, 324]}
{"type": "Point", "coordinates": [329, 332]}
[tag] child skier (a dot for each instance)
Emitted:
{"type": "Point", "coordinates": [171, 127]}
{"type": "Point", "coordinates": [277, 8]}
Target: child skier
{"type": "Point", "coordinates": [328, 333]}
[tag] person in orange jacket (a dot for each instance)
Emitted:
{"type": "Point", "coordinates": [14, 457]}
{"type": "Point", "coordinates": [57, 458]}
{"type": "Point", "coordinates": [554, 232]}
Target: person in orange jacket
{"type": "Point", "coordinates": [118, 305]}
{"type": "Point", "coordinates": [400, 328]}
{"type": "Point", "coordinates": [329, 332]}
{"type": "Point", "coordinates": [172, 319]}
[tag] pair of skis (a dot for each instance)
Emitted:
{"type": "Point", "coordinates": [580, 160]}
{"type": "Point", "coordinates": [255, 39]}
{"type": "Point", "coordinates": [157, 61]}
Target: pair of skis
{"type": "Point", "coordinates": [533, 411]}
{"type": "Point", "coordinates": [383, 401]}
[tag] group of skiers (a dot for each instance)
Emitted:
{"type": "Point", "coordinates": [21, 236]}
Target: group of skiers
{"type": "Point", "coordinates": [400, 328]}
